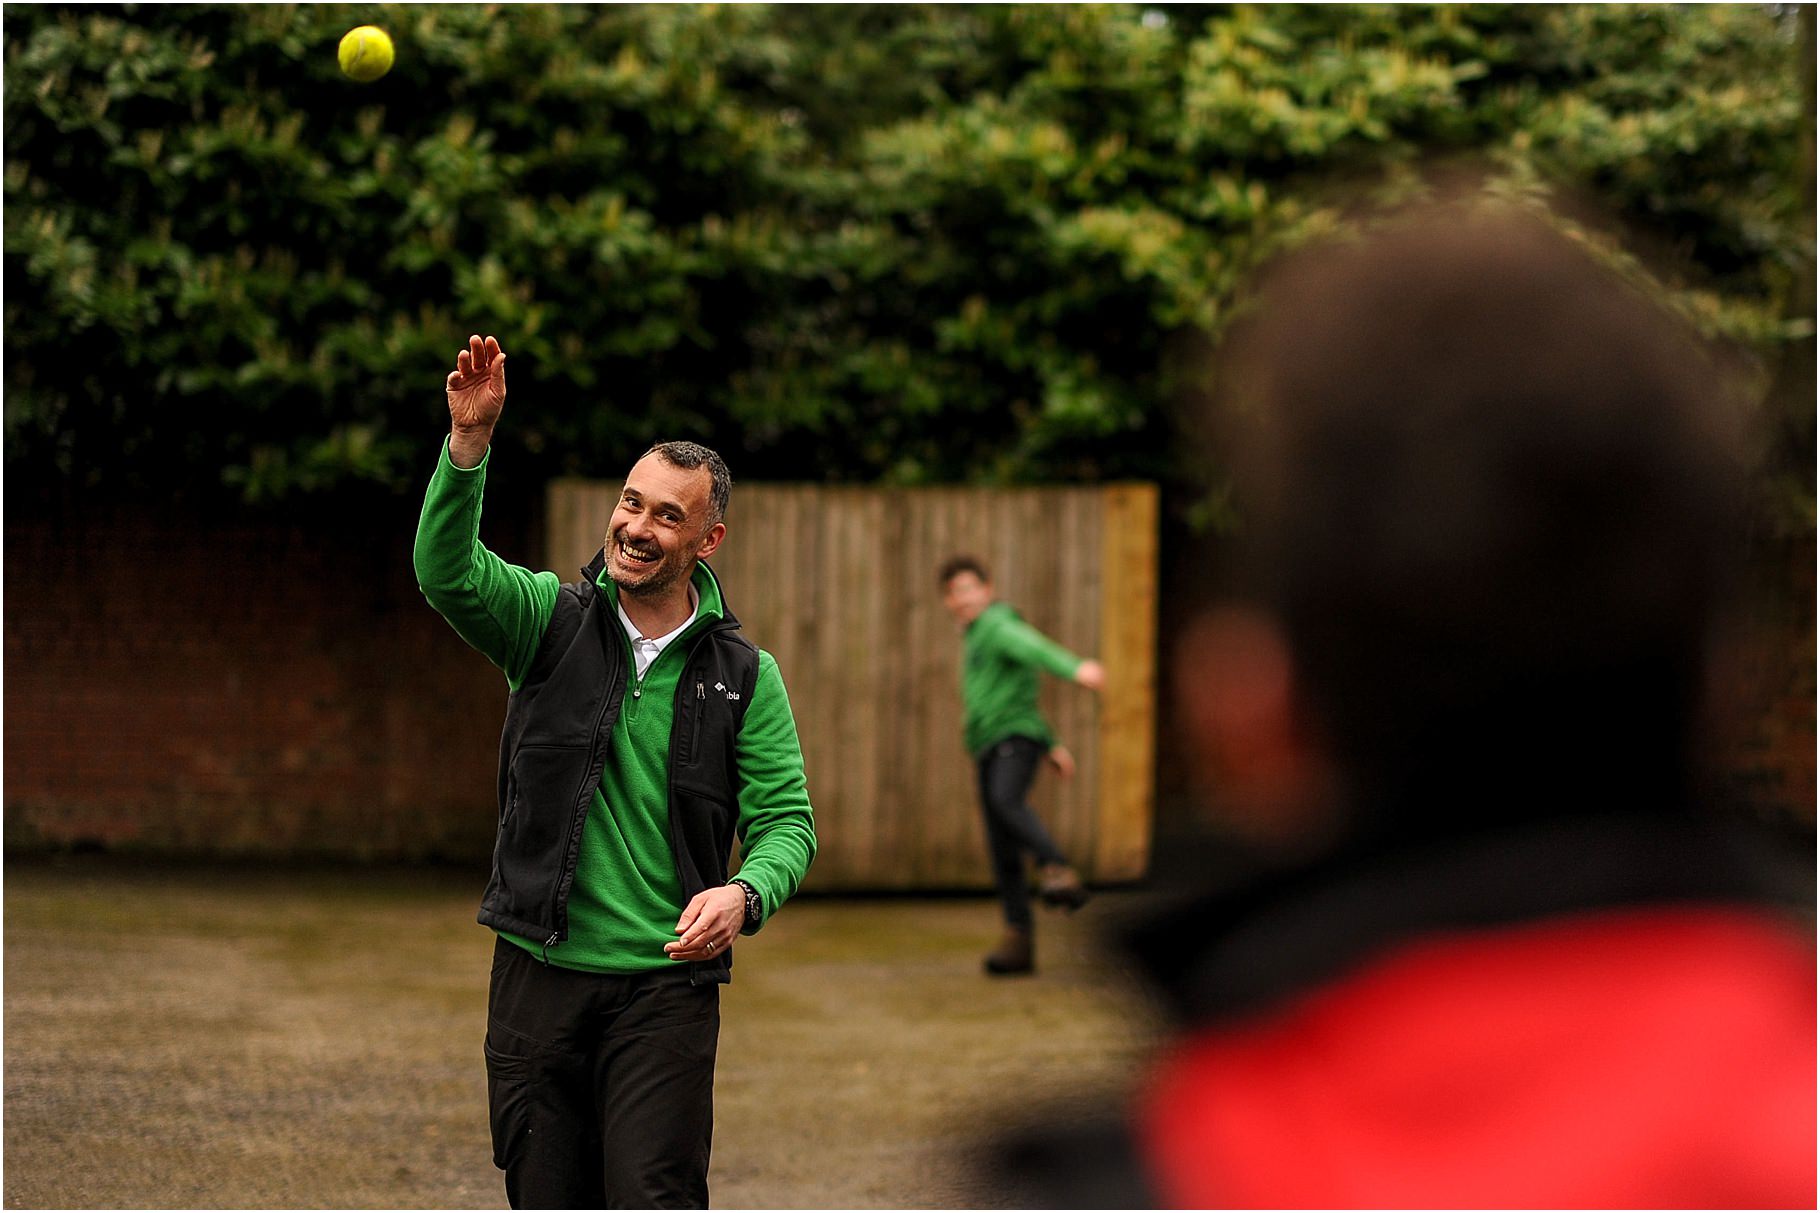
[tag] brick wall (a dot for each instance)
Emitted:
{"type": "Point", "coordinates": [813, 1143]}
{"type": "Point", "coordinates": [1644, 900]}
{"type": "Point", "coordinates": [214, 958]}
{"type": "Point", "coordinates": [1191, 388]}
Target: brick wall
{"type": "Point", "coordinates": [181, 683]}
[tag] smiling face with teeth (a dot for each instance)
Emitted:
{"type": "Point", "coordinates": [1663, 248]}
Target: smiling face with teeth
{"type": "Point", "coordinates": [664, 523]}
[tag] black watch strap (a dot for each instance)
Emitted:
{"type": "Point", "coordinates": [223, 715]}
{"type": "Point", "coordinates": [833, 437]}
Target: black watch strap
{"type": "Point", "coordinates": [755, 906]}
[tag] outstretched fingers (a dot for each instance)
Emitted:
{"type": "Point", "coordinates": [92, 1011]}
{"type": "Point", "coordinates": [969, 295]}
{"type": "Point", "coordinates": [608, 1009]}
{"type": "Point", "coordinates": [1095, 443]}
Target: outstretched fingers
{"type": "Point", "coordinates": [477, 387]}
{"type": "Point", "coordinates": [481, 358]}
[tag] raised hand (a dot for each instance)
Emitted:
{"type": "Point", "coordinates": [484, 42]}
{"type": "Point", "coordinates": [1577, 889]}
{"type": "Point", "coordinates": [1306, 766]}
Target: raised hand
{"type": "Point", "coordinates": [477, 386]}
{"type": "Point", "coordinates": [477, 393]}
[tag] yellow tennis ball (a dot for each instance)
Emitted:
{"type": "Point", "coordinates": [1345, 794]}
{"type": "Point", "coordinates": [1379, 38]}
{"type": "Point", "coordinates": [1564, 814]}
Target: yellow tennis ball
{"type": "Point", "coordinates": [365, 53]}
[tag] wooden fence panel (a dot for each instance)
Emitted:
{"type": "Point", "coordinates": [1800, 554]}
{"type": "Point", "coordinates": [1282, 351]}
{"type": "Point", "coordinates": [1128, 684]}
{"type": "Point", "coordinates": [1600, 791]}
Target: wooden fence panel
{"type": "Point", "coordinates": [839, 585]}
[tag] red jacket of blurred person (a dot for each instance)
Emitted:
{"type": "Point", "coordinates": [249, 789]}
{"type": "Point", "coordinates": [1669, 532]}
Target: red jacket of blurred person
{"type": "Point", "coordinates": [1653, 1058]}
{"type": "Point", "coordinates": [1601, 1011]}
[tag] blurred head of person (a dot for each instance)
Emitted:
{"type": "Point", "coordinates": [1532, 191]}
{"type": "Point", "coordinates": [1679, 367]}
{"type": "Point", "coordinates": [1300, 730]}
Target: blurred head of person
{"type": "Point", "coordinates": [966, 588]}
{"type": "Point", "coordinates": [1489, 493]}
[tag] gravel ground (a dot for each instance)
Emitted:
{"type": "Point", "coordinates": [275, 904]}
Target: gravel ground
{"type": "Point", "coordinates": [211, 1038]}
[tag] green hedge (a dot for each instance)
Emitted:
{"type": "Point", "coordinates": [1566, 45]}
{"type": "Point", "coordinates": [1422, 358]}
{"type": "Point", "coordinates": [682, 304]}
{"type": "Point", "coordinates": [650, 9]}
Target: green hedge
{"type": "Point", "coordinates": [911, 243]}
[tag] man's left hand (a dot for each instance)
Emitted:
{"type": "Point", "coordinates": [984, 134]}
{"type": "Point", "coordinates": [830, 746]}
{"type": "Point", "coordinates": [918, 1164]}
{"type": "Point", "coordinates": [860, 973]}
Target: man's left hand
{"type": "Point", "coordinates": [709, 924]}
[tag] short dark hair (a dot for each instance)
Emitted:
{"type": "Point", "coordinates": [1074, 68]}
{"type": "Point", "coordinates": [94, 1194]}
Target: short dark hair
{"type": "Point", "coordinates": [692, 455]}
{"type": "Point", "coordinates": [1490, 490]}
{"type": "Point", "coordinates": [954, 566]}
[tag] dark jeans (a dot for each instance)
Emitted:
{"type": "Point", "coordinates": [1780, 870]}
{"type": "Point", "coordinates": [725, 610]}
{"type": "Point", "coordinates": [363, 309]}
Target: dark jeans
{"type": "Point", "coordinates": [1006, 770]}
{"type": "Point", "coordinates": [600, 1088]}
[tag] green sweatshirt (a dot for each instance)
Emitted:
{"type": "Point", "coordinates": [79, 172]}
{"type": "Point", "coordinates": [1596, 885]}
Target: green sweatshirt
{"type": "Point", "coordinates": [1001, 656]}
{"type": "Point", "coordinates": [627, 894]}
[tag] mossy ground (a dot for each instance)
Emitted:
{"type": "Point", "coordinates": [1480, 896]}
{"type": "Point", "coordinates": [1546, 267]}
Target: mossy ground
{"type": "Point", "coordinates": [204, 1037]}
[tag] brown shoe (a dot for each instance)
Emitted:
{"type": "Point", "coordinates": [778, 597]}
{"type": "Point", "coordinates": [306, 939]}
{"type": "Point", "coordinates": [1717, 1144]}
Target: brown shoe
{"type": "Point", "coordinates": [1015, 954]}
{"type": "Point", "coordinates": [1060, 885]}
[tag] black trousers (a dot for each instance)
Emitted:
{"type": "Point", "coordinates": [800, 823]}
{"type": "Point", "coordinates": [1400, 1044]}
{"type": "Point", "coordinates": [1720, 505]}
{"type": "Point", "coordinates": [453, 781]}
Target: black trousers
{"type": "Point", "coordinates": [1006, 771]}
{"type": "Point", "coordinates": [600, 1088]}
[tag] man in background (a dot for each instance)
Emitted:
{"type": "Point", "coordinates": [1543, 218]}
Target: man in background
{"type": "Point", "coordinates": [1002, 660]}
{"type": "Point", "coordinates": [1501, 946]}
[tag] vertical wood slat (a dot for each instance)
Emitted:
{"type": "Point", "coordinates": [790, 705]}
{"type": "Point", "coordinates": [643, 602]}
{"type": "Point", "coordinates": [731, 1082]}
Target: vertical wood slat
{"type": "Point", "coordinates": [838, 584]}
{"type": "Point", "coordinates": [1129, 545]}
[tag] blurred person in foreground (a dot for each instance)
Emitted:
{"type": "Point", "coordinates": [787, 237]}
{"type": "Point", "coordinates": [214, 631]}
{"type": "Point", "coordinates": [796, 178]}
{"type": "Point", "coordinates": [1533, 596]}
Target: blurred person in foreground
{"type": "Point", "coordinates": [1002, 661]}
{"type": "Point", "coordinates": [1505, 951]}
{"type": "Point", "coordinates": [643, 734]}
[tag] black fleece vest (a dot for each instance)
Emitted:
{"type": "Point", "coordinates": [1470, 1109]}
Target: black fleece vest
{"type": "Point", "coordinates": [559, 727]}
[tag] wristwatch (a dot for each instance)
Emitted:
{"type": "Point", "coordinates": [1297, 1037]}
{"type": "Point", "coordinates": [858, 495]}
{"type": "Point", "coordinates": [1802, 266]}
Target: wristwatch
{"type": "Point", "coordinates": [755, 906]}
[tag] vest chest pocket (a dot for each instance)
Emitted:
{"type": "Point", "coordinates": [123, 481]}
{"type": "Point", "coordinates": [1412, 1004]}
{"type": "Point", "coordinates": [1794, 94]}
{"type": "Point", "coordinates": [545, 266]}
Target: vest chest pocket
{"type": "Point", "coordinates": [708, 729]}
{"type": "Point", "coordinates": [695, 706]}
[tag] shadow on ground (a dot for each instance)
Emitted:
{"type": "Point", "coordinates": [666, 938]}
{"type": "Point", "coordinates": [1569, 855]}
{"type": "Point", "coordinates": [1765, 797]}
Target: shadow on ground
{"type": "Point", "coordinates": [186, 1038]}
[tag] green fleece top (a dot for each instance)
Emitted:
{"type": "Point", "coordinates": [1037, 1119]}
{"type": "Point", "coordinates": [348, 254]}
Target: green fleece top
{"type": "Point", "coordinates": [627, 893]}
{"type": "Point", "coordinates": [1001, 657]}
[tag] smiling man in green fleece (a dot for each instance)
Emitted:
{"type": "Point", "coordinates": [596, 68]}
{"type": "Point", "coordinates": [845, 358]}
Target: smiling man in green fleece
{"type": "Point", "coordinates": [643, 734]}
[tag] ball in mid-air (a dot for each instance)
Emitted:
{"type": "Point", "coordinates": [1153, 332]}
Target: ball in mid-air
{"type": "Point", "coordinates": [365, 53]}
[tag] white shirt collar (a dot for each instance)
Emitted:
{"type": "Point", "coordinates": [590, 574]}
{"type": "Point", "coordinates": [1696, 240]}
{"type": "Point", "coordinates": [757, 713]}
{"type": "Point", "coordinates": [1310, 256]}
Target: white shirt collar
{"type": "Point", "coordinates": [645, 651]}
